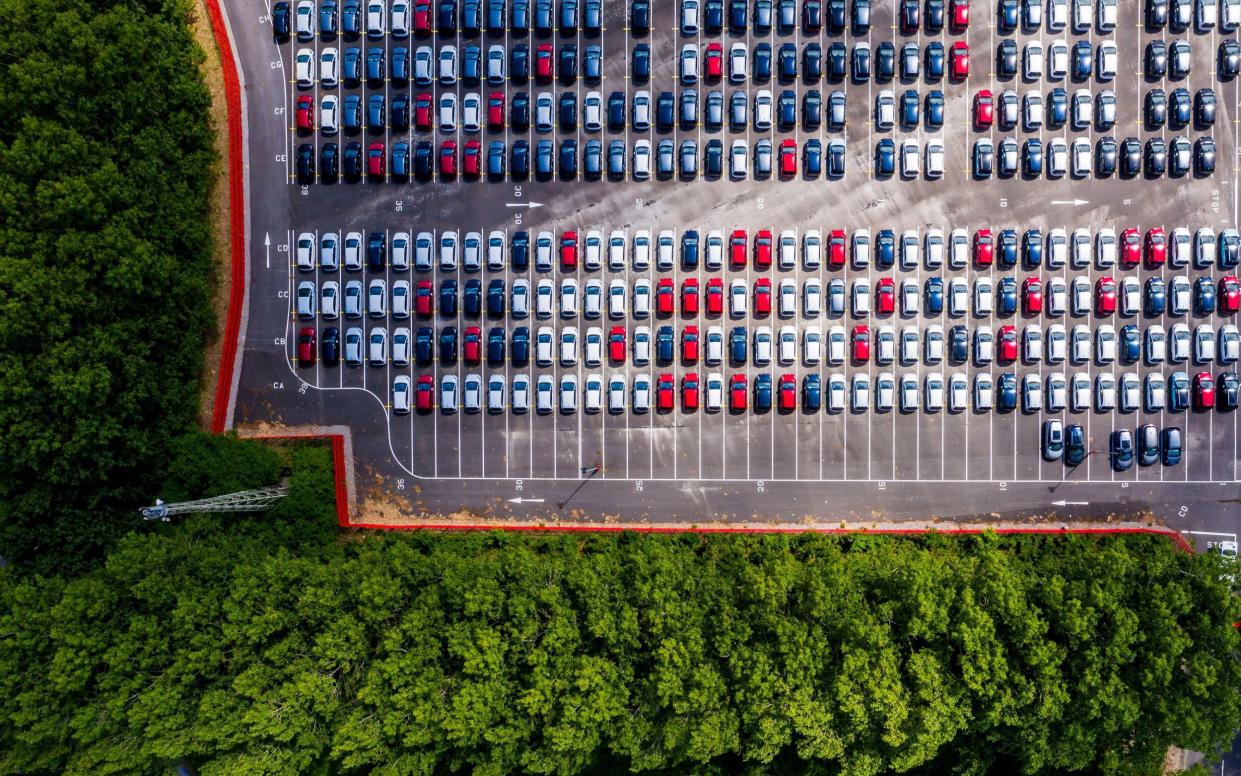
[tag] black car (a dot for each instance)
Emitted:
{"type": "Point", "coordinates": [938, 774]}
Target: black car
{"type": "Point", "coordinates": [1227, 391]}
{"type": "Point", "coordinates": [1156, 157]}
{"type": "Point", "coordinates": [640, 16]}
{"type": "Point", "coordinates": [1074, 445]}
{"type": "Point", "coordinates": [519, 63]}
{"type": "Point", "coordinates": [934, 21]}
{"type": "Point", "coordinates": [665, 112]}
{"type": "Point", "coordinates": [811, 110]}
{"type": "Point", "coordinates": [1156, 14]}
{"type": "Point", "coordinates": [811, 63]}
{"type": "Point", "coordinates": [352, 162]}
{"type": "Point", "coordinates": [328, 163]}
{"type": "Point", "coordinates": [1155, 110]}
{"type": "Point", "coordinates": [1204, 109]}
{"type": "Point", "coordinates": [859, 69]}
{"type": "Point", "coordinates": [280, 21]}
{"type": "Point", "coordinates": [1130, 157]}
{"type": "Point", "coordinates": [330, 346]}
{"type": "Point", "coordinates": [495, 346]}
{"type": "Point", "coordinates": [424, 164]}
{"type": "Point", "coordinates": [885, 61]}
{"type": "Point", "coordinates": [713, 17]}
{"type": "Point", "coordinates": [616, 111]}
{"type": "Point", "coordinates": [519, 112]}
{"type": "Point", "coordinates": [519, 159]}
{"type": "Point", "coordinates": [713, 158]}
{"type": "Point", "coordinates": [837, 57]}
{"type": "Point", "coordinates": [519, 250]}
{"type": "Point", "coordinates": [376, 251]}
{"type": "Point", "coordinates": [567, 113]}
{"type": "Point", "coordinates": [1229, 65]}
{"type": "Point", "coordinates": [568, 159]}
{"type": "Point", "coordinates": [448, 345]}
{"type": "Point", "coordinates": [641, 63]}
{"type": "Point", "coordinates": [519, 346]}
{"type": "Point", "coordinates": [448, 298]}
{"type": "Point", "coordinates": [861, 17]}
{"type": "Point", "coordinates": [1156, 60]}
{"type": "Point", "coordinates": [909, 12]}
{"type": "Point", "coordinates": [566, 70]}
{"type": "Point", "coordinates": [812, 15]}
{"type": "Point", "coordinates": [1204, 156]}
{"type": "Point", "coordinates": [1006, 59]}
{"type": "Point", "coordinates": [398, 114]}
{"type": "Point", "coordinates": [305, 163]}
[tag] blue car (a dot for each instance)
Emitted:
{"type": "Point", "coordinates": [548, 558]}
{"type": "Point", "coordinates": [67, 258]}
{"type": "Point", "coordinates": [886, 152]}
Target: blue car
{"type": "Point", "coordinates": [935, 61]}
{"type": "Point", "coordinates": [934, 107]}
{"type": "Point", "coordinates": [812, 160]}
{"type": "Point", "coordinates": [519, 159]}
{"type": "Point", "coordinates": [351, 18]}
{"type": "Point", "coordinates": [375, 66]}
{"type": "Point", "coordinates": [1032, 248]}
{"type": "Point", "coordinates": [616, 159]}
{"type": "Point", "coordinates": [885, 248]}
{"type": "Point", "coordinates": [424, 345]}
{"type": "Point", "coordinates": [934, 296]}
{"type": "Point", "coordinates": [1006, 392]}
{"type": "Point", "coordinates": [811, 393]}
{"type": "Point", "coordinates": [787, 62]}
{"type": "Point", "coordinates": [1006, 296]}
{"type": "Point", "coordinates": [472, 65]}
{"type": "Point", "coordinates": [885, 158]}
{"type": "Point", "coordinates": [1178, 392]}
{"type": "Point", "coordinates": [495, 346]}
{"type": "Point", "coordinates": [1032, 158]}
{"type": "Point", "coordinates": [543, 16]}
{"type": "Point", "coordinates": [495, 298]}
{"type": "Point", "coordinates": [689, 249]}
{"type": "Point", "coordinates": [327, 18]}
{"type": "Point", "coordinates": [495, 160]}
{"type": "Point", "coordinates": [592, 63]}
{"type": "Point", "coordinates": [472, 298]}
{"type": "Point", "coordinates": [351, 66]}
{"type": "Point", "coordinates": [738, 16]}
{"type": "Point", "coordinates": [592, 159]}
{"type": "Point", "coordinates": [1057, 108]}
{"type": "Point", "coordinates": [495, 16]}
{"type": "Point", "coordinates": [835, 159]}
{"type": "Point", "coordinates": [762, 62]}
{"type": "Point", "coordinates": [641, 60]}
{"type": "Point", "coordinates": [665, 345]}
{"type": "Point", "coordinates": [400, 161]}
{"type": "Point", "coordinates": [424, 155]}
{"type": "Point", "coordinates": [737, 346]}
{"type": "Point", "coordinates": [910, 108]}
{"type": "Point", "coordinates": [519, 250]}
{"type": "Point", "coordinates": [713, 158]}
{"type": "Point", "coordinates": [1006, 255]}
{"type": "Point", "coordinates": [448, 298]}
{"type": "Point", "coordinates": [1130, 344]}
{"type": "Point", "coordinates": [958, 344]}
{"type": "Point", "coordinates": [400, 65]}
{"type": "Point", "coordinates": [616, 111]}
{"type": "Point", "coordinates": [1156, 296]}
{"type": "Point", "coordinates": [520, 20]}
{"type": "Point", "coordinates": [375, 113]}
{"type": "Point", "coordinates": [592, 17]}
{"type": "Point", "coordinates": [1204, 296]}
{"type": "Point", "coordinates": [544, 161]}
{"type": "Point", "coordinates": [762, 393]}
{"type": "Point", "coordinates": [519, 63]}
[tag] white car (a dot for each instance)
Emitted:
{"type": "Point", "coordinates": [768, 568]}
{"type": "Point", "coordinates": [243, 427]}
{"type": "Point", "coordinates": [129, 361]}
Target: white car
{"type": "Point", "coordinates": [568, 346]}
{"type": "Point", "coordinates": [738, 159]}
{"type": "Point", "coordinates": [592, 396]}
{"type": "Point", "coordinates": [787, 345]}
{"type": "Point", "coordinates": [329, 111]}
{"type": "Point", "coordinates": [304, 68]}
{"type": "Point", "coordinates": [958, 249]}
{"type": "Point", "coordinates": [1057, 343]}
{"type": "Point", "coordinates": [786, 249]}
{"type": "Point", "coordinates": [1105, 247]}
{"type": "Point", "coordinates": [618, 391]}
{"type": "Point", "coordinates": [911, 294]}
{"type": "Point", "coordinates": [400, 395]}
{"type": "Point", "coordinates": [1204, 344]}
{"type": "Point", "coordinates": [377, 351]}
{"type": "Point", "coordinates": [1032, 61]}
{"type": "Point", "coordinates": [812, 346]}
{"type": "Point", "coordinates": [713, 352]}
{"type": "Point", "coordinates": [738, 63]}
{"type": "Point", "coordinates": [1080, 247]}
{"type": "Point", "coordinates": [544, 294]}
{"type": "Point", "coordinates": [910, 158]}
{"type": "Point", "coordinates": [1083, 15]}
{"type": "Point", "coordinates": [1181, 245]}
{"type": "Point", "coordinates": [934, 160]}
{"type": "Point", "coordinates": [1108, 61]}
{"type": "Point", "coordinates": [860, 392]}
{"type": "Point", "coordinates": [812, 298]}
{"type": "Point", "coordinates": [1105, 392]}
{"type": "Point", "coordinates": [1057, 395]}
{"type": "Point", "coordinates": [885, 344]}
{"type": "Point", "coordinates": [495, 394]}
{"type": "Point", "coordinates": [1204, 247]}
{"type": "Point", "coordinates": [568, 298]}
{"type": "Point", "coordinates": [1107, 15]}
{"type": "Point", "coordinates": [568, 394]}
{"type": "Point", "coordinates": [1055, 297]}
{"type": "Point", "coordinates": [984, 392]}
{"type": "Point", "coordinates": [617, 295]}
{"type": "Point", "coordinates": [787, 298]}
{"type": "Point", "coordinates": [861, 296]}
{"type": "Point", "coordinates": [401, 298]}
{"type": "Point", "coordinates": [1130, 296]}
{"type": "Point", "coordinates": [642, 345]}
{"type": "Point", "coordinates": [1156, 392]}
{"type": "Point", "coordinates": [448, 394]}
{"type": "Point", "coordinates": [812, 249]}
{"type": "Point", "coordinates": [984, 297]}
{"type": "Point", "coordinates": [713, 256]}
{"type": "Point", "coordinates": [1130, 392]}
{"type": "Point", "coordinates": [1156, 344]}
{"type": "Point", "coordinates": [592, 354]}
{"type": "Point", "coordinates": [835, 399]}
{"type": "Point", "coordinates": [1178, 343]}
{"type": "Point", "coordinates": [642, 298]}
{"type": "Point", "coordinates": [1079, 296]}
{"type": "Point", "coordinates": [1079, 347]}
{"type": "Point", "coordinates": [1229, 344]}
{"type": "Point", "coordinates": [642, 249]}
{"type": "Point", "coordinates": [958, 392]}
{"type": "Point", "coordinates": [836, 345]}
{"type": "Point", "coordinates": [1079, 392]}
{"type": "Point", "coordinates": [984, 345]}
{"type": "Point", "coordinates": [713, 395]}
{"type": "Point", "coordinates": [958, 297]}
{"type": "Point", "coordinates": [762, 345]}
{"type": "Point", "coordinates": [305, 20]}
{"type": "Point", "coordinates": [329, 67]}
{"type": "Point", "coordinates": [448, 65]}
{"type": "Point", "coordinates": [738, 298]}
{"type": "Point", "coordinates": [1031, 393]}
{"type": "Point", "coordinates": [641, 393]}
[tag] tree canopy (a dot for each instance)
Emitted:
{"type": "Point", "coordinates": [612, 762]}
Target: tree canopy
{"type": "Point", "coordinates": [105, 264]}
{"type": "Point", "coordinates": [227, 649]}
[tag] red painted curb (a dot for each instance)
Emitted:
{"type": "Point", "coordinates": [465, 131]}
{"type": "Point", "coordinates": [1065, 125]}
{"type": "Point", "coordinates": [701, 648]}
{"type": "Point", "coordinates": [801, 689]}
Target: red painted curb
{"type": "Point", "coordinates": [338, 469]}
{"type": "Point", "coordinates": [237, 220]}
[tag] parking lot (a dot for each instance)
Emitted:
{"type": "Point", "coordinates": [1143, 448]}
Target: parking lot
{"type": "Point", "coordinates": [667, 454]}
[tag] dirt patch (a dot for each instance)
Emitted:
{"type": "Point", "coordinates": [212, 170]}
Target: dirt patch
{"type": "Point", "coordinates": [218, 212]}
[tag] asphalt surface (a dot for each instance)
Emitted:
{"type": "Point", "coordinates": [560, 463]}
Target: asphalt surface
{"type": "Point", "coordinates": [752, 468]}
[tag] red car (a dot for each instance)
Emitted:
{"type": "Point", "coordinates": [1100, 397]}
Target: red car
{"type": "Point", "coordinates": [737, 245]}
{"type": "Point", "coordinates": [984, 109]}
{"type": "Point", "coordinates": [689, 345]}
{"type": "Point", "coordinates": [1105, 296]}
{"type": "Point", "coordinates": [762, 249]}
{"type": "Point", "coordinates": [472, 345]}
{"type": "Point", "coordinates": [665, 392]}
{"type": "Point", "coordinates": [713, 61]}
{"type": "Point", "coordinates": [424, 298]}
{"type": "Point", "coordinates": [689, 392]}
{"type": "Point", "coordinates": [737, 393]}
{"type": "Point", "coordinates": [665, 297]}
{"type": "Point", "coordinates": [305, 113]}
{"type": "Point", "coordinates": [375, 162]}
{"type": "Point", "coordinates": [689, 296]}
{"type": "Point", "coordinates": [1156, 246]}
{"type": "Point", "coordinates": [1032, 291]}
{"type": "Point", "coordinates": [422, 113]}
{"type": "Point", "coordinates": [787, 391]}
{"type": "Point", "coordinates": [543, 58]}
{"type": "Point", "coordinates": [885, 296]}
{"type": "Point", "coordinates": [836, 248]}
{"type": "Point", "coordinates": [762, 296]}
{"type": "Point", "coordinates": [960, 54]}
{"type": "Point", "coordinates": [306, 346]}
{"type": "Point", "coordinates": [1229, 298]}
{"type": "Point", "coordinates": [424, 394]}
{"type": "Point", "coordinates": [715, 296]}
{"type": "Point", "coordinates": [616, 345]}
{"type": "Point", "coordinates": [959, 17]}
{"type": "Point", "coordinates": [1204, 391]}
{"type": "Point", "coordinates": [861, 343]}
{"type": "Point", "coordinates": [448, 159]}
{"type": "Point", "coordinates": [472, 159]}
{"type": "Point", "coordinates": [495, 110]}
{"type": "Point", "coordinates": [1007, 349]}
{"type": "Point", "coordinates": [1130, 248]}
{"type": "Point", "coordinates": [984, 247]}
{"type": "Point", "coordinates": [788, 157]}
{"type": "Point", "coordinates": [568, 250]}
{"type": "Point", "coordinates": [422, 17]}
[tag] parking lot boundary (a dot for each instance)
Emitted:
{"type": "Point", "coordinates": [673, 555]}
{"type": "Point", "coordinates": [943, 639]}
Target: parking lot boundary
{"type": "Point", "coordinates": [342, 478]}
{"type": "Point", "coordinates": [1167, 533]}
{"type": "Point", "coordinates": [237, 221]}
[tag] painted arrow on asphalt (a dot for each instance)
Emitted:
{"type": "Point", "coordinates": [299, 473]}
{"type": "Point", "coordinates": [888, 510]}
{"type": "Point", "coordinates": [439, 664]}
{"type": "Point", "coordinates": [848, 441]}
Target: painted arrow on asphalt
{"type": "Point", "coordinates": [520, 500]}
{"type": "Point", "coordinates": [267, 248]}
{"type": "Point", "coordinates": [1063, 503]}
{"type": "Point", "coordinates": [530, 205]}
{"type": "Point", "coordinates": [1075, 202]}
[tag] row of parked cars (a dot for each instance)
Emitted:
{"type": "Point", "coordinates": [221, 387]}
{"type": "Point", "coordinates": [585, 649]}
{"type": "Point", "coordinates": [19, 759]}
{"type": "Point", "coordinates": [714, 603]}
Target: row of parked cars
{"type": "Point", "coordinates": [835, 393]}
{"type": "Point", "coordinates": [377, 19]}
{"type": "Point", "coordinates": [1081, 110]}
{"type": "Point", "coordinates": [909, 249]}
{"type": "Point", "coordinates": [786, 298]}
{"type": "Point", "coordinates": [1056, 158]}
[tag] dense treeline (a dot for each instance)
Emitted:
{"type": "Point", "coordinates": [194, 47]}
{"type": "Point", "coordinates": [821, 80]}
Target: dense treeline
{"type": "Point", "coordinates": [105, 162]}
{"type": "Point", "coordinates": [496, 654]}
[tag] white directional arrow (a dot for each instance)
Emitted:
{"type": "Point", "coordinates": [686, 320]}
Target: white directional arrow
{"type": "Point", "coordinates": [1063, 503]}
{"type": "Point", "coordinates": [520, 500]}
{"type": "Point", "coordinates": [530, 205]}
{"type": "Point", "coordinates": [267, 248]}
{"type": "Point", "coordinates": [1074, 202]}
